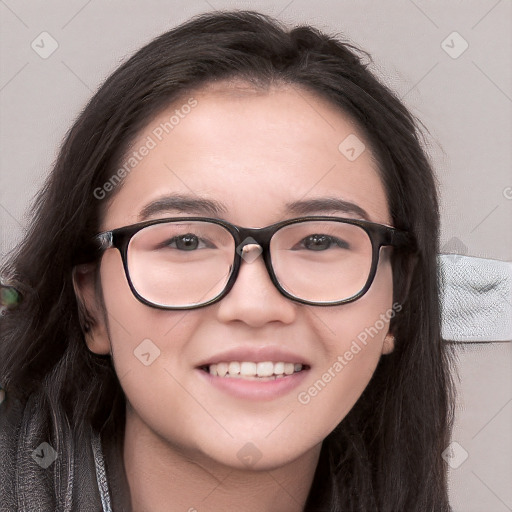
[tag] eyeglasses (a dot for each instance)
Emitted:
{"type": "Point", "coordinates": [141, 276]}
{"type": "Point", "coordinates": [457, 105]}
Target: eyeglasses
{"type": "Point", "coordinates": [191, 262]}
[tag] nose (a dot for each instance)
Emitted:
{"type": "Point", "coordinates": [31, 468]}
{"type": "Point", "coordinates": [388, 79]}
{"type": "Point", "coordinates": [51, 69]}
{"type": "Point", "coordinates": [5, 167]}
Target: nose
{"type": "Point", "coordinates": [254, 299]}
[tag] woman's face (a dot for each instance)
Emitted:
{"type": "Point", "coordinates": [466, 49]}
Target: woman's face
{"type": "Point", "coordinates": [252, 153]}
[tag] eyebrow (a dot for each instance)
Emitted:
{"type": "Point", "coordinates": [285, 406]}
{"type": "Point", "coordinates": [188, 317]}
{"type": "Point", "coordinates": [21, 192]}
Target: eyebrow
{"type": "Point", "coordinates": [182, 203]}
{"type": "Point", "coordinates": [326, 204]}
{"type": "Point", "coordinates": [202, 206]}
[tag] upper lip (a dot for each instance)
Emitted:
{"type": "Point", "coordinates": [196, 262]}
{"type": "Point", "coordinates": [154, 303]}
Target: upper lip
{"type": "Point", "coordinates": [256, 355]}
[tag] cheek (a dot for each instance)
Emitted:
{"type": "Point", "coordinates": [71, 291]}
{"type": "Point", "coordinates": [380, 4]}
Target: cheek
{"type": "Point", "coordinates": [130, 321]}
{"type": "Point", "coordinates": [146, 342]}
{"type": "Point", "coordinates": [353, 336]}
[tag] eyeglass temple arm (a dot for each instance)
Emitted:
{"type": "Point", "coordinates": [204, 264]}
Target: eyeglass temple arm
{"type": "Point", "coordinates": [403, 239]}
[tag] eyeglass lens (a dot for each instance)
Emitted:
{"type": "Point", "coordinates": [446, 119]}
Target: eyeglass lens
{"type": "Point", "coordinates": [185, 263]}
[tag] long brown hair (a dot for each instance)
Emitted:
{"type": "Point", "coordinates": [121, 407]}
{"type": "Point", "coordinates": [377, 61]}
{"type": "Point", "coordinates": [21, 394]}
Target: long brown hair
{"type": "Point", "coordinates": [386, 453]}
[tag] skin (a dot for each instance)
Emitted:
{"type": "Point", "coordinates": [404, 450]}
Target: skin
{"type": "Point", "coordinates": [253, 151]}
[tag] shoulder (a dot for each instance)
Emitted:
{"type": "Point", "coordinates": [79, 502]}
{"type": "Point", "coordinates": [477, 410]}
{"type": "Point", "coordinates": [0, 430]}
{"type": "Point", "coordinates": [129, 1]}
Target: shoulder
{"type": "Point", "coordinates": [41, 466]}
{"type": "Point", "coordinates": [12, 410]}
{"type": "Point", "coordinates": [11, 414]}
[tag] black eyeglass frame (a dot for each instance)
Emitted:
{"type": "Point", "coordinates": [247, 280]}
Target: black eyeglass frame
{"type": "Point", "coordinates": [380, 235]}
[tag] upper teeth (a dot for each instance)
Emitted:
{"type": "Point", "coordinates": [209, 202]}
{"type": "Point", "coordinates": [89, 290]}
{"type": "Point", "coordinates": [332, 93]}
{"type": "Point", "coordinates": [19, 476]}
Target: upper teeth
{"type": "Point", "coordinates": [250, 369]}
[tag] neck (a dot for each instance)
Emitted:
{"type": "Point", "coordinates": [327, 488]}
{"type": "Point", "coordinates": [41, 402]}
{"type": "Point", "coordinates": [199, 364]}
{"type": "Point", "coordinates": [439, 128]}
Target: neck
{"type": "Point", "coordinates": [161, 476]}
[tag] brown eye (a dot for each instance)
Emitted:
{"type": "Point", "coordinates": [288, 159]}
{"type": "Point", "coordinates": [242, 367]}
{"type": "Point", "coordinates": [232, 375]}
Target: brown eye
{"type": "Point", "coordinates": [186, 242]}
{"type": "Point", "coordinates": [322, 242]}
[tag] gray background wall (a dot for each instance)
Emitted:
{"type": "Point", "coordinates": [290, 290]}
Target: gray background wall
{"type": "Point", "coordinates": [463, 97]}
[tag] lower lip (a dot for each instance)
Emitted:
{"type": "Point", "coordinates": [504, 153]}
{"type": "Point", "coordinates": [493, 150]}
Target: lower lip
{"type": "Point", "coordinates": [253, 389]}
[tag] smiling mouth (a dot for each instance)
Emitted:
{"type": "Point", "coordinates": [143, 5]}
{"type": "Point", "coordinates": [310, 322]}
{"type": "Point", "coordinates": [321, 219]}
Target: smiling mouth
{"type": "Point", "coordinates": [248, 370]}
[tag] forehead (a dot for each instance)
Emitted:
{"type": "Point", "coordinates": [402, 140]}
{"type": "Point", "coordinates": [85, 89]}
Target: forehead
{"type": "Point", "coordinates": [252, 152]}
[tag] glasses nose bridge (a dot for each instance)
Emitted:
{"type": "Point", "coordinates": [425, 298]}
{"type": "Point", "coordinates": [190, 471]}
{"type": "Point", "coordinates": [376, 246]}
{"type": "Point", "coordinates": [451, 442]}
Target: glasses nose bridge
{"type": "Point", "coordinates": [262, 236]}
